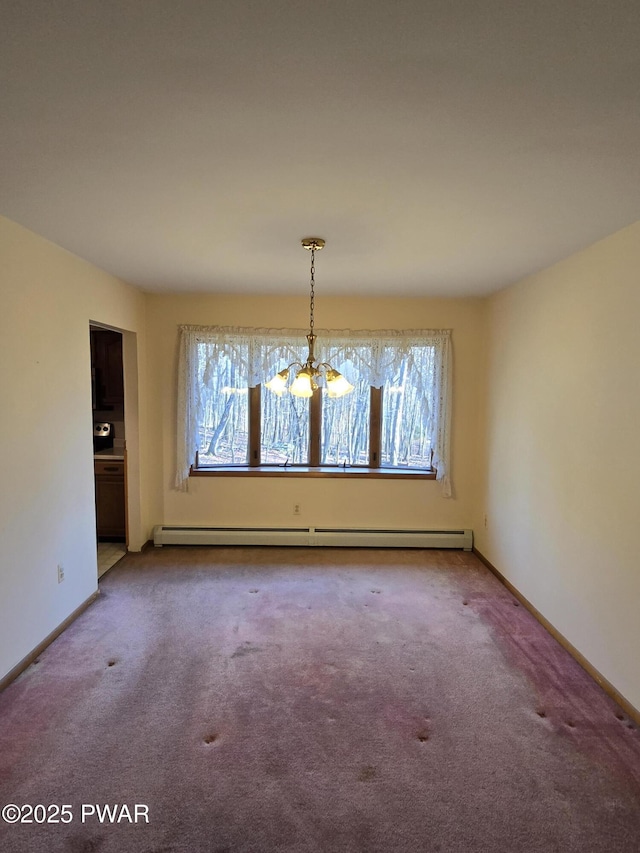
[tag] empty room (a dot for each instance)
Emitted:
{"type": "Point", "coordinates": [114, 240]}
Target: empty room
{"type": "Point", "coordinates": [319, 427]}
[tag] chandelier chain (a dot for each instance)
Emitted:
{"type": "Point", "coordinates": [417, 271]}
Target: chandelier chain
{"type": "Point", "coordinates": [312, 301]}
{"type": "Point", "coordinates": [311, 374]}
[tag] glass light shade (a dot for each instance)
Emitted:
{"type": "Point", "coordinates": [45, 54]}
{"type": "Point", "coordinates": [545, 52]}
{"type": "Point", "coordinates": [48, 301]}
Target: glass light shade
{"type": "Point", "coordinates": [304, 384]}
{"type": "Point", "coordinates": [279, 382]}
{"type": "Point", "coordinates": [337, 385]}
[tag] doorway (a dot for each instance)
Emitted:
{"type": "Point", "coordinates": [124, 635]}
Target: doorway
{"type": "Point", "coordinates": [110, 455]}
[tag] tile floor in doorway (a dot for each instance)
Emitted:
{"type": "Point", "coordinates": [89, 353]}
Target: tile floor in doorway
{"type": "Point", "coordinates": [108, 555]}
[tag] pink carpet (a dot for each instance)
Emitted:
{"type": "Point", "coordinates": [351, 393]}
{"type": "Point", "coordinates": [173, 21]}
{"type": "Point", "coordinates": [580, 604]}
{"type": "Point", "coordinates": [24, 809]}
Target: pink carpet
{"type": "Point", "coordinates": [315, 700]}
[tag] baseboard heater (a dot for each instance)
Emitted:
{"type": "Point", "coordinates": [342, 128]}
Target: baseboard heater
{"type": "Point", "coordinates": [328, 536]}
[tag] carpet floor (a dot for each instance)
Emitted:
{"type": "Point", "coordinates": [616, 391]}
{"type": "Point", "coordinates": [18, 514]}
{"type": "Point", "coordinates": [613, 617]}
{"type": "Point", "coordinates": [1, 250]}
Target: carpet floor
{"type": "Point", "coordinates": [313, 700]}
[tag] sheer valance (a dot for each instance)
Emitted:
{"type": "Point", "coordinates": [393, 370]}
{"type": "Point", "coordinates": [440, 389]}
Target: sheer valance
{"type": "Point", "coordinates": [259, 353]}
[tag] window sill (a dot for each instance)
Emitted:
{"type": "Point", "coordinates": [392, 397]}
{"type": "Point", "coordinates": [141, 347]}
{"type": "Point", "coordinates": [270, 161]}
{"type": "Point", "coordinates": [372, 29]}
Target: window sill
{"type": "Point", "coordinates": [355, 472]}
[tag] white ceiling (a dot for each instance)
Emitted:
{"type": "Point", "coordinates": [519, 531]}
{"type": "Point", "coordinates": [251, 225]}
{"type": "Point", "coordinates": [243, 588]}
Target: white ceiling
{"type": "Point", "coordinates": [444, 147]}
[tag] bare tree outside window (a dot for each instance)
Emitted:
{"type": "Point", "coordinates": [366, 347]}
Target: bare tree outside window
{"type": "Point", "coordinates": [346, 422]}
{"type": "Point", "coordinates": [406, 438]}
{"type": "Point", "coordinates": [284, 430]}
{"type": "Point", "coordinates": [223, 428]}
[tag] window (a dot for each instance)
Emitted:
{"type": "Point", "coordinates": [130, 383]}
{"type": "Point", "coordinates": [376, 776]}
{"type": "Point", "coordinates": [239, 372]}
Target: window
{"type": "Point", "coordinates": [395, 420]}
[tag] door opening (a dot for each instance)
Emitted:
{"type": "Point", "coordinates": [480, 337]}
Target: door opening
{"type": "Point", "coordinates": [110, 455]}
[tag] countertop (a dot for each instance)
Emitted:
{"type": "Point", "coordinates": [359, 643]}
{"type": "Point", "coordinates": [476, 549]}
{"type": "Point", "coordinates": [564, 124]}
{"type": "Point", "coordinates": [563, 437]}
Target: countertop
{"type": "Point", "coordinates": [112, 454]}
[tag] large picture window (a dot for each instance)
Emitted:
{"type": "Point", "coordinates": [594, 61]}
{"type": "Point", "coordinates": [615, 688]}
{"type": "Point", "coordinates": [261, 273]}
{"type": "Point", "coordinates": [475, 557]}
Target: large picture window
{"type": "Point", "coordinates": [397, 419]}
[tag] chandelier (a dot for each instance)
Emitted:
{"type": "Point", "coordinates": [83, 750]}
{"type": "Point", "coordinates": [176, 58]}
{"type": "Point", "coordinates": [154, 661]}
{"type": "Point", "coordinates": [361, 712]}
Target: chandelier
{"type": "Point", "coordinates": [312, 373]}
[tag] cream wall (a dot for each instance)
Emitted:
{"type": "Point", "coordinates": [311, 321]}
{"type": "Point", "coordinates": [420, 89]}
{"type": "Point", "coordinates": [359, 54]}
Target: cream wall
{"type": "Point", "coordinates": [562, 460]}
{"type": "Point", "coordinates": [48, 298]}
{"type": "Point", "coordinates": [270, 501]}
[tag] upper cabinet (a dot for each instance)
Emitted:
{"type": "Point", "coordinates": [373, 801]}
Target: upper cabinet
{"type": "Point", "coordinates": [106, 361]}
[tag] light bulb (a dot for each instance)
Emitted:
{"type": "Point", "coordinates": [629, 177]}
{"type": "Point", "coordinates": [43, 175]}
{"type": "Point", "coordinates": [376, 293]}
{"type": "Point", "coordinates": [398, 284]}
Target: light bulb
{"type": "Point", "coordinates": [304, 384]}
{"type": "Point", "coordinates": [337, 385]}
{"type": "Point", "coordinates": [279, 382]}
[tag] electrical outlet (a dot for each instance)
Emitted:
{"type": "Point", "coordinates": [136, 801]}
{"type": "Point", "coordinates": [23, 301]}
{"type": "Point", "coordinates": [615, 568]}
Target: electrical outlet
{"type": "Point", "coordinates": [296, 509]}
{"type": "Point", "coordinates": [485, 520]}
{"type": "Point", "coordinates": [60, 572]}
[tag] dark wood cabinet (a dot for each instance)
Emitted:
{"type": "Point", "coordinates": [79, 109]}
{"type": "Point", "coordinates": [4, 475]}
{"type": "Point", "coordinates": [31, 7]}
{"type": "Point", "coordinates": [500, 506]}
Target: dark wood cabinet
{"type": "Point", "coordinates": [106, 361]}
{"type": "Point", "coordinates": [110, 500]}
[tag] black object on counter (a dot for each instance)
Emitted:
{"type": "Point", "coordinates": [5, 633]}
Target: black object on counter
{"type": "Point", "coordinates": [102, 436]}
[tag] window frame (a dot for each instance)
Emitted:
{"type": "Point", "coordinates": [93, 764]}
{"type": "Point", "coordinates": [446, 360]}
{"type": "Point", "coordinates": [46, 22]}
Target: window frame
{"type": "Point", "coordinates": [314, 468]}
{"type": "Point", "coordinates": [382, 347]}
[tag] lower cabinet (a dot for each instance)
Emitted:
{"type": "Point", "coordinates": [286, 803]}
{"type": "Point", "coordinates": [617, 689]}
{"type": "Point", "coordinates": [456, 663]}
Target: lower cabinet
{"type": "Point", "coordinates": [110, 503]}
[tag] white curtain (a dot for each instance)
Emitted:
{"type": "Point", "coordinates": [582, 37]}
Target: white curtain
{"type": "Point", "coordinates": [260, 353]}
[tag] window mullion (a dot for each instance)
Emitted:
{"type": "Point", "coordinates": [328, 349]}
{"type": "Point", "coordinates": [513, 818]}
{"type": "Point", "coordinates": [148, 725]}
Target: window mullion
{"type": "Point", "coordinates": [254, 426]}
{"type": "Point", "coordinates": [315, 426]}
{"type": "Point", "coordinates": [375, 427]}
